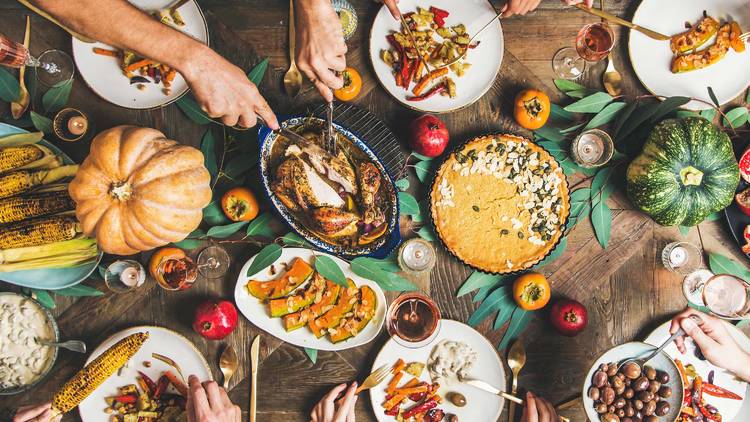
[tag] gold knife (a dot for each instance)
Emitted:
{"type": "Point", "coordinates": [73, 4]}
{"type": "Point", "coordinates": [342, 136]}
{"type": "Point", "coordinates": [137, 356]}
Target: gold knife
{"type": "Point", "coordinates": [612, 18]}
{"type": "Point", "coordinates": [254, 355]}
{"type": "Point", "coordinates": [490, 389]}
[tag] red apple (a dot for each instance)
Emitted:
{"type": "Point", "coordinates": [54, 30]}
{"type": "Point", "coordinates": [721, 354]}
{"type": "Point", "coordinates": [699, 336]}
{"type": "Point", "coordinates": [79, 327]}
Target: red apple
{"type": "Point", "coordinates": [428, 136]}
{"type": "Point", "coordinates": [569, 317]}
{"type": "Point", "coordinates": [215, 320]}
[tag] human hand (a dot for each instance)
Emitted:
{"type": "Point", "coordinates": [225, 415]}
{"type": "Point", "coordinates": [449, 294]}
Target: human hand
{"type": "Point", "coordinates": [209, 403]}
{"type": "Point", "coordinates": [589, 3]}
{"type": "Point", "coordinates": [538, 409]}
{"type": "Point", "coordinates": [36, 413]}
{"type": "Point", "coordinates": [714, 341]}
{"type": "Point", "coordinates": [321, 50]}
{"type": "Point", "coordinates": [331, 410]}
{"type": "Point", "coordinates": [392, 6]}
{"type": "Point", "coordinates": [518, 7]}
{"type": "Point", "coordinates": [224, 92]}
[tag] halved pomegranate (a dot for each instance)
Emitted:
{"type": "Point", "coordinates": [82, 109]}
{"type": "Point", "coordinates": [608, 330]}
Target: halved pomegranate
{"type": "Point", "coordinates": [745, 165]}
{"type": "Point", "coordinates": [743, 201]}
{"type": "Point", "coordinates": [746, 235]}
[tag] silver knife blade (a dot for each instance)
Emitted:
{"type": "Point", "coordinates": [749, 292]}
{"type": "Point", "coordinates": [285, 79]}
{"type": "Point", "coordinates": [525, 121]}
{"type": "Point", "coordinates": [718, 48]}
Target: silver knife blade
{"type": "Point", "coordinates": [483, 386]}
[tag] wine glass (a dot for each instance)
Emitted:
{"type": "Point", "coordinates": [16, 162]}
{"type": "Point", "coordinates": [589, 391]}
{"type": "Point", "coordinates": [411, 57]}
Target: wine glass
{"type": "Point", "coordinates": [593, 43]}
{"type": "Point", "coordinates": [727, 296]}
{"type": "Point", "coordinates": [176, 273]}
{"type": "Point", "coordinates": [413, 320]}
{"type": "Point", "coordinates": [53, 67]}
{"type": "Point", "coordinates": [213, 262]}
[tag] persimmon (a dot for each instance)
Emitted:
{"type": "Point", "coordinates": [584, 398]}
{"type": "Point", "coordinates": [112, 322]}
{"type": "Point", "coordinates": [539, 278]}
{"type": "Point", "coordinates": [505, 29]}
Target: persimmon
{"type": "Point", "coordinates": [239, 204]}
{"type": "Point", "coordinates": [161, 255]}
{"type": "Point", "coordinates": [352, 85]}
{"type": "Point", "coordinates": [531, 109]}
{"type": "Point", "coordinates": [531, 291]}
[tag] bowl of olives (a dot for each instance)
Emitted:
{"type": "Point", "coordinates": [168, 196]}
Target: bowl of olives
{"type": "Point", "coordinates": [631, 393]}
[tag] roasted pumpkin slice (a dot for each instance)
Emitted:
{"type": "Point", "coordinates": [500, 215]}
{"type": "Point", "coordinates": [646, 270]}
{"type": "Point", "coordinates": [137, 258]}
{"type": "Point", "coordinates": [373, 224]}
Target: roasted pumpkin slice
{"type": "Point", "coordinates": [734, 38]}
{"type": "Point", "coordinates": [299, 272]}
{"type": "Point", "coordinates": [707, 57]}
{"type": "Point", "coordinates": [363, 312]}
{"type": "Point", "coordinates": [322, 304]}
{"type": "Point", "coordinates": [302, 299]}
{"type": "Point", "coordinates": [695, 37]}
{"type": "Point", "coordinates": [347, 299]}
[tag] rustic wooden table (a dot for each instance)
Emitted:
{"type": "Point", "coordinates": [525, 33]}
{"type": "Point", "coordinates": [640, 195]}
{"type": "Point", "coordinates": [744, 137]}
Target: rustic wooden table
{"type": "Point", "coordinates": [624, 287]}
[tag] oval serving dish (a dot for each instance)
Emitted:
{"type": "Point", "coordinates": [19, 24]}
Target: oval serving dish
{"type": "Point", "coordinates": [382, 246]}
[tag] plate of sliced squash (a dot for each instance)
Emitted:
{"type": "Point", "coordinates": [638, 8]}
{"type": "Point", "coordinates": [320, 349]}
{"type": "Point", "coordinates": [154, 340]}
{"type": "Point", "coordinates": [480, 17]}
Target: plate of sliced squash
{"type": "Point", "coordinates": [296, 304]}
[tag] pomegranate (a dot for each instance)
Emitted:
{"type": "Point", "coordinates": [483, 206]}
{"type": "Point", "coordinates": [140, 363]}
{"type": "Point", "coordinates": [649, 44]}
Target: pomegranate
{"type": "Point", "coordinates": [745, 165]}
{"type": "Point", "coordinates": [569, 317]}
{"type": "Point", "coordinates": [746, 235]}
{"type": "Point", "coordinates": [215, 320]}
{"type": "Point", "coordinates": [428, 136]}
{"type": "Point", "coordinates": [743, 201]}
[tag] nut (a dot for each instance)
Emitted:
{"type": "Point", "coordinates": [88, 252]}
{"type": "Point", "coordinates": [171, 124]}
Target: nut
{"type": "Point", "coordinates": [631, 370]}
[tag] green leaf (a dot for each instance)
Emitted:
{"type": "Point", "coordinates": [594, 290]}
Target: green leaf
{"type": "Point", "coordinates": [494, 302]}
{"type": "Point", "coordinates": [578, 93]}
{"type": "Point", "coordinates": [408, 204]}
{"type": "Point", "coordinates": [402, 184]}
{"type": "Point", "coordinates": [56, 97]}
{"type": "Point", "coordinates": [293, 239]}
{"type": "Point", "coordinates": [572, 129]}
{"type": "Point", "coordinates": [712, 94]}
{"type": "Point", "coordinates": [188, 243]}
{"type": "Point", "coordinates": [566, 85]}
{"type": "Point", "coordinates": [427, 234]}
{"type": "Point", "coordinates": [395, 283]}
{"type": "Point", "coordinates": [422, 169]}
{"type": "Point", "coordinates": [556, 253]}
{"type": "Point", "coordinates": [367, 268]}
{"type": "Point", "coordinates": [580, 195]}
{"type": "Point", "coordinates": [213, 214]}
{"type": "Point", "coordinates": [518, 323]}
{"type": "Point", "coordinates": [102, 270]}
{"type": "Point", "coordinates": [554, 148]}
{"type": "Point", "coordinates": [684, 231]}
{"type": "Point", "coordinates": [605, 116]}
{"type": "Point", "coordinates": [709, 114]}
{"type": "Point", "coordinates": [747, 99]}
{"type": "Point", "coordinates": [256, 74]}
{"type": "Point", "coordinates": [79, 291]}
{"type": "Point", "coordinates": [720, 264]}
{"type": "Point", "coordinates": [502, 316]}
{"type": "Point", "coordinates": [601, 219]}
{"type": "Point", "coordinates": [667, 106]}
{"type": "Point", "coordinates": [388, 264]}
{"type": "Point", "coordinates": [208, 148]}
{"type": "Point", "coordinates": [483, 293]}
{"type": "Point", "coordinates": [9, 88]}
{"type": "Point", "coordinates": [602, 184]}
{"type": "Point", "coordinates": [577, 213]}
{"type": "Point", "coordinates": [267, 256]}
{"type": "Point", "coordinates": [715, 216]}
{"type": "Point", "coordinates": [622, 117]}
{"type": "Point", "coordinates": [478, 280]}
{"type": "Point", "coordinates": [636, 119]}
{"type": "Point", "coordinates": [239, 165]}
{"type": "Point", "coordinates": [43, 297]}
{"type": "Point", "coordinates": [329, 269]}
{"type": "Point", "coordinates": [193, 111]}
{"type": "Point", "coordinates": [41, 123]}
{"type": "Point", "coordinates": [592, 104]}
{"type": "Point", "coordinates": [424, 209]}
{"type": "Point", "coordinates": [260, 227]}
{"type": "Point", "coordinates": [550, 133]}
{"type": "Point", "coordinates": [683, 114]}
{"type": "Point", "coordinates": [558, 114]}
{"type": "Point", "coordinates": [736, 117]}
{"type": "Point", "coordinates": [222, 232]}
{"type": "Point", "coordinates": [312, 354]}
{"type": "Point", "coordinates": [422, 157]}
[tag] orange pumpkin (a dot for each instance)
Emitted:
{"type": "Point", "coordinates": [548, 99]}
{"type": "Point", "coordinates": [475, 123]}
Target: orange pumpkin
{"type": "Point", "coordinates": [531, 109]}
{"type": "Point", "coordinates": [138, 190]}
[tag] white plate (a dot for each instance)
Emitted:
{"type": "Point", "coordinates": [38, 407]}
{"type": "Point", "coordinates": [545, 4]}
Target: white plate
{"type": "Point", "coordinates": [652, 59]}
{"type": "Point", "coordinates": [485, 59]}
{"type": "Point", "coordinates": [730, 409]}
{"type": "Point", "coordinates": [104, 75]}
{"type": "Point", "coordinates": [480, 405]}
{"type": "Point", "coordinates": [161, 340]}
{"type": "Point", "coordinates": [257, 312]}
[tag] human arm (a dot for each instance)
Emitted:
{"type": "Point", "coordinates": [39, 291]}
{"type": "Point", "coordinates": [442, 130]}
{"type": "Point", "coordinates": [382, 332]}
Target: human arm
{"type": "Point", "coordinates": [537, 409]}
{"type": "Point", "coordinates": [221, 88]}
{"type": "Point", "coordinates": [714, 341]}
{"type": "Point", "coordinates": [522, 7]}
{"type": "Point", "coordinates": [208, 402]}
{"type": "Point", "coordinates": [36, 413]}
{"type": "Point", "coordinates": [329, 409]}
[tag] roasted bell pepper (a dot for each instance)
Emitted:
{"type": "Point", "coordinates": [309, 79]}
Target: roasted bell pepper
{"type": "Point", "coordinates": [712, 417]}
{"type": "Point", "coordinates": [420, 408]}
{"type": "Point", "coordinates": [126, 399]}
{"type": "Point", "coordinates": [149, 383]}
{"type": "Point", "coordinates": [683, 375]}
{"type": "Point", "coordinates": [716, 391]}
{"type": "Point", "coordinates": [439, 16]}
{"type": "Point", "coordinates": [393, 411]}
{"type": "Point", "coordinates": [436, 90]}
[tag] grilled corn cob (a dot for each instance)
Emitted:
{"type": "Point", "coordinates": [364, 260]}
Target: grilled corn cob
{"type": "Point", "coordinates": [95, 373]}
{"type": "Point", "coordinates": [16, 157]}
{"type": "Point", "coordinates": [24, 180]}
{"type": "Point", "coordinates": [38, 231]}
{"type": "Point", "coordinates": [35, 204]}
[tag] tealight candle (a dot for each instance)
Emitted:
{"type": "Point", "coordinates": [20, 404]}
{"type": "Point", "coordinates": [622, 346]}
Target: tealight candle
{"type": "Point", "coordinates": [77, 125]}
{"type": "Point", "coordinates": [681, 257]}
{"type": "Point", "coordinates": [129, 276]}
{"type": "Point", "coordinates": [70, 124]}
{"type": "Point", "coordinates": [416, 255]}
{"type": "Point", "coordinates": [592, 148]}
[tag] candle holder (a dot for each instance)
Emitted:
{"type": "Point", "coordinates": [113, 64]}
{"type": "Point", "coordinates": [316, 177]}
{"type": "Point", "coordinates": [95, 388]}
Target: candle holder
{"type": "Point", "coordinates": [682, 257]}
{"type": "Point", "coordinates": [416, 256]}
{"type": "Point", "coordinates": [70, 124]}
{"type": "Point", "coordinates": [124, 276]}
{"type": "Point", "coordinates": [592, 148]}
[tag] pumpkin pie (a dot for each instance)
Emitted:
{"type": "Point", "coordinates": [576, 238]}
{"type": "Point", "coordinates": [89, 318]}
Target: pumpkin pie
{"type": "Point", "coordinates": [499, 203]}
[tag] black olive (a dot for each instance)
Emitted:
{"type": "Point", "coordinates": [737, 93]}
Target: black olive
{"type": "Point", "coordinates": [631, 370]}
{"type": "Point", "coordinates": [662, 408]}
{"type": "Point", "coordinates": [662, 377]}
{"type": "Point", "coordinates": [650, 372]}
{"type": "Point", "coordinates": [594, 393]}
{"type": "Point", "coordinates": [640, 384]}
{"type": "Point", "coordinates": [665, 392]}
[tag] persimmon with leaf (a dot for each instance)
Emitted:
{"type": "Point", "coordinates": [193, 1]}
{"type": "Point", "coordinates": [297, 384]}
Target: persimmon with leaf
{"type": "Point", "coordinates": [532, 108]}
{"type": "Point", "coordinates": [239, 204]}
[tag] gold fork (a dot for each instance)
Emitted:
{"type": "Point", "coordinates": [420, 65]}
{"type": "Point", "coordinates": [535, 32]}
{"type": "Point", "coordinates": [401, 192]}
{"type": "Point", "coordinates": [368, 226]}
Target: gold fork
{"type": "Point", "coordinates": [744, 37]}
{"type": "Point", "coordinates": [375, 378]}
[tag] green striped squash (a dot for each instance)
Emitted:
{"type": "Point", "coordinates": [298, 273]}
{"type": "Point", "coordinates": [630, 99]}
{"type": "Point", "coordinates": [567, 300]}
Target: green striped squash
{"type": "Point", "coordinates": [687, 170]}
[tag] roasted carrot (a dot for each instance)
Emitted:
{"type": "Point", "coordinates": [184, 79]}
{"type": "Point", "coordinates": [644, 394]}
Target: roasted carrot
{"type": "Point", "coordinates": [139, 64]}
{"type": "Point", "coordinates": [394, 382]}
{"type": "Point", "coordinates": [413, 382]}
{"type": "Point", "coordinates": [398, 366]}
{"type": "Point", "coordinates": [411, 390]}
{"type": "Point", "coordinates": [394, 401]}
{"type": "Point", "coordinates": [178, 384]}
{"type": "Point", "coordinates": [105, 52]}
{"type": "Point", "coordinates": [435, 74]}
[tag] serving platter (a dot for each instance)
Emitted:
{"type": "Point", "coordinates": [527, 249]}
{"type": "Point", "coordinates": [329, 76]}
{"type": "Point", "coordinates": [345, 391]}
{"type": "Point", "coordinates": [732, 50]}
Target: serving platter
{"type": "Point", "coordinates": [258, 313]}
{"type": "Point", "coordinates": [651, 59]}
{"type": "Point", "coordinates": [162, 341]}
{"type": "Point", "coordinates": [379, 248]}
{"type": "Point", "coordinates": [105, 77]}
{"type": "Point", "coordinates": [731, 410]}
{"type": "Point", "coordinates": [54, 278]}
{"type": "Point", "coordinates": [485, 59]}
{"type": "Point", "coordinates": [480, 405]}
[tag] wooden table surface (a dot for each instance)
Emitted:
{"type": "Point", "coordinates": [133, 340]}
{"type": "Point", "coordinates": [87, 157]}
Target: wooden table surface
{"type": "Point", "coordinates": [624, 287]}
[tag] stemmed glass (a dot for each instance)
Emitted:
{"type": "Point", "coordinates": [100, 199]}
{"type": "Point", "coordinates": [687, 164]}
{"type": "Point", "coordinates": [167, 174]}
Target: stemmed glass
{"type": "Point", "coordinates": [593, 43]}
{"type": "Point", "coordinates": [52, 67]}
{"type": "Point", "coordinates": [213, 262]}
{"type": "Point", "coordinates": [413, 320]}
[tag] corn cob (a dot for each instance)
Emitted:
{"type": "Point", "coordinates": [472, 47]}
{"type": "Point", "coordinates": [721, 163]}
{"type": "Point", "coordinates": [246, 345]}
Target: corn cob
{"type": "Point", "coordinates": [35, 204]}
{"type": "Point", "coordinates": [21, 181]}
{"type": "Point", "coordinates": [95, 373]}
{"type": "Point", "coordinates": [38, 231]}
{"type": "Point", "coordinates": [15, 157]}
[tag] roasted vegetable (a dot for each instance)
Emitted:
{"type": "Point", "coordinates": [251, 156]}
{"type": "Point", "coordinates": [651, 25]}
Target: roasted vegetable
{"type": "Point", "coordinates": [35, 204]}
{"type": "Point", "coordinates": [64, 254]}
{"type": "Point", "coordinates": [707, 57]}
{"type": "Point", "coordinates": [95, 373]}
{"type": "Point", "coordinates": [695, 37]}
{"type": "Point", "coordinates": [22, 181]}
{"type": "Point", "coordinates": [26, 157]}
{"type": "Point", "coordinates": [38, 231]}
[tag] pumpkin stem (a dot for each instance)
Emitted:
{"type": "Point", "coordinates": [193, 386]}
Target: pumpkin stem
{"type": "Point", "coordinates": [120, 191]}
{"type": "Point", "coordinates": [691, 176]}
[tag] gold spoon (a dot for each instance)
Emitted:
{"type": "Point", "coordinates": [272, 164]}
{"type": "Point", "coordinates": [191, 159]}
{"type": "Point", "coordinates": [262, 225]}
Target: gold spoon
{"type": "Point", "coordinates": [17, 108]}
{"type": "Point", "coordinates": [612, 79]}
{"type": "Point", "coordinates": [292, 77]}
{"type": "Point", "coordinates": [228, 364]}
{"type": "Point", "coordinates": [516, 361]}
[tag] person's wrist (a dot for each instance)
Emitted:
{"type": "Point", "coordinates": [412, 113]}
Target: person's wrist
{"type": "Point", "coordinates": [742, 367]}
{"type": "Point", "coordinates": [192, 65]}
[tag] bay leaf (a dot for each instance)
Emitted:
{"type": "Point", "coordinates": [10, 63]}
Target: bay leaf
{"type": "Point", "coordinates": [267, 256]}
{"type": "Point", "coordinates": [329, 269]}
{"type": "Point", "coordinates": [594, 103]}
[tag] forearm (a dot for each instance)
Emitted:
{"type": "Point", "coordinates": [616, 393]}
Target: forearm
{"type": "Point", "coordinates": [742, 369]}
{"type": "Point", "coordinates": [118, 23]}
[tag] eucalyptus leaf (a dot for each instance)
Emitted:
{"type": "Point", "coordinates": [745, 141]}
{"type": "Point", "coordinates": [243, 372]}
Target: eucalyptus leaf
{"type": "Point", "coordinates": [79, 290]}
{"type": "Point", "coordinates": [518, 323]}
{"type": "Point", "coordinates": [502, 316]}
{"type": "Point", "coordinates": [267, 256]}
{"type": "Point", "coordinates": [605, 116]}
{"type": "Point", "coordinates": [213, 214]}
{"type": "Point", "coordinates": [422, 169]}
{"type": "Point", "coordinates": [497, 299]}
{"type": "Point", "coordinates": [636, 119]}
{"type": "Point", "coordinates": [239, 165]}
{"type": "Point", "coordinates": [712, 94]}
{"type": "Point", "coordinates": [422, 157]}
{"type": "Point", "coordinates": [393, 282]}
{"type": "Point", "coordinates": [427, 234]}
{"type": "Point", "coordinates": [256, 73]}
{"type": "Point", "coordinates": [622, 117]}
{"type": "Point", "coordinates": [709, 114]}
{"type": "Point", "coordinates": [424, 209]}
{"type": "Point", "coordinates": [9, 88]}
{"type": "Point", "coordinates": [477, 280]}
{"type": "Point", "coordinates": [556, 253]}
{"type": "Point", "coordinates": [293, 239]}
{"type": "Point", "coordinates": [260, 226]}
{"type": "Point", "coordinates": [684, 231]}
{"type": "Point", "coordinates": [102, 271]}
{"type": "Point", "coordinates": [389, 264]}
{"type": "Point", "coordinates": [312, 354]}
{"type": "Point", "coordinates": [329, 269]}
{"type": "Point", "coordinates": [402, 184]}
{"type": "Point", "coordinates": [578, 93]}
{"type": "Point", "coordinates": [483, 293]}
{"type": "Point", "coordinates": [193, 111]}
{"type": "Point", "coordinates": [566, 85]}
{"type": "Point", "coordinates": [550, 133]}
{"type": "Point", "coordinates": [571, 129]}
{"type": "Point", "coordinates": [601, 219]}
{"type": "Point", "coordinates": [188, 243]}
{"type": "Point", "coordinates": [594, 103]}
{"type": "Point", "coordinates": [57, 97]}
{"type": "Point", "coordinates": [41, 123]}
{"type": "Point", "coordinates": [222, 232]}
{"type": "Point", "coordinates": [43, 297]}
{"type": "Point", "coordinates": [747, 99]}
{"type": "Point", "coordinates": [554, 147]}
{"type": "Point", "coordinates": [667, 106]}
{"type": "Point", "coordinates": [736, 117]}
{"type": "Point", "coordinates": [683, 114]}
{"type": "Point", "coordinates": [720, 264]}
{"type": "Point", "coordinates": [715, 216]}
{"type": "Point", "coordinates": [408, 204]}
{"type": "Point", "coordinates": [577, 214]}
{"type": "Point", "coordinates": [580, 195]}
{"type": "Point", "coordinates": [388, 281]}
{"type": "Point", "coordinates": [558, 114]}
{"type": "Point", "coordinates": [600, 183]}
{"type": "Point", "coordinates": [208, 148]}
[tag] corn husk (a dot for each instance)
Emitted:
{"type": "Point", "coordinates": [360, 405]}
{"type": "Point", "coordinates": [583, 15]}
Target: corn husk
{"type": "Point", "coordinates": [74, 247]}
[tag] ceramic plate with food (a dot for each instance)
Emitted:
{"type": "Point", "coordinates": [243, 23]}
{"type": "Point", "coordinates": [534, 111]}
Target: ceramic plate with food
{"type": "Point", "coordinates": [129, 80]}
{"type": "Point", "coordinates": [442, 29]}
{"type": "Point", "coordinates": [161, 341]}
{"type": "Point", "coordinates": [665, 67]}
{"type": "Point", "coordinates": [344, 203]}
{"type": "Point", "coordinates": [731, 409]}
{"type": "Point", "coordinates": [499, 203]}
{"type": "Point", "coordinates": [458, 351]}
{"type": "Point", "coordinates": [293, 302]}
